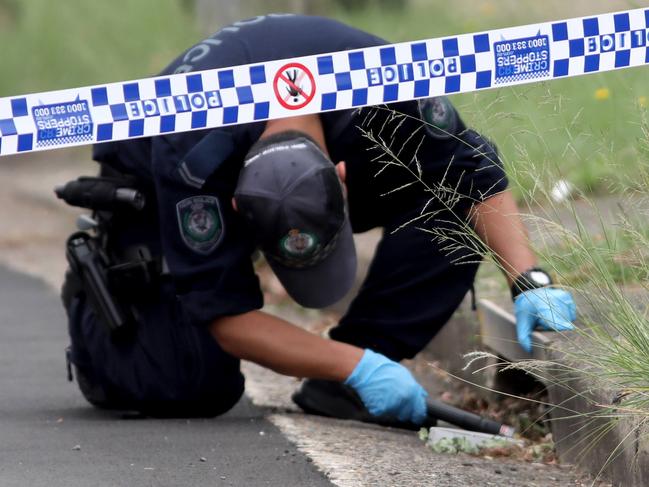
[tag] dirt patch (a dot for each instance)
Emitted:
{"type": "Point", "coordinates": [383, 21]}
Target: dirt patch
{"type": "Point", "coordinates": [9, 11]}
{"type": "Point", "coordinates": [33, 223]}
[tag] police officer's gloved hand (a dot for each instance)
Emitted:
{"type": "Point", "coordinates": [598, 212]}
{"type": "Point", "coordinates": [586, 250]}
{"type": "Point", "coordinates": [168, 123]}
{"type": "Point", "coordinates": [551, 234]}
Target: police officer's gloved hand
{"type": "Point", "coordinates": [537, 306]}
{"type": "Point", "coordinates": [388, 388]}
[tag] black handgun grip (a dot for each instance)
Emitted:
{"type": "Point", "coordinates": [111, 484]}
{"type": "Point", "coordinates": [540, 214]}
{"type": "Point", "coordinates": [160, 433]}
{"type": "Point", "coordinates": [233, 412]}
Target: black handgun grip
{"type": "Point", "coordinates": [84, 260]}
{"type": "Point", "coordinates": [467, 420]}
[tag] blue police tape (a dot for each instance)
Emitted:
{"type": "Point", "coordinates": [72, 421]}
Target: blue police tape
{"type": "Point", "coordinates": [314, 84]}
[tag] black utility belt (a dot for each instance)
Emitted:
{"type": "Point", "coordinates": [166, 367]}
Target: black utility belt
{"type": "Point", "coordinates": [113, 287]}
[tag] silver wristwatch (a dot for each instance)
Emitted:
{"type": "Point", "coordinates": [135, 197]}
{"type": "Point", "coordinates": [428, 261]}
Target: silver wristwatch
{"type": "Point", "coordinates": [533, 278]}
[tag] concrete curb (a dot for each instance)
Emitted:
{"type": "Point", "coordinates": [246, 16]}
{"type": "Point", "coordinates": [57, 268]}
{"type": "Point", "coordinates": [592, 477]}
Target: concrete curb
{"type": "Point", "coordinates": [617, 450]}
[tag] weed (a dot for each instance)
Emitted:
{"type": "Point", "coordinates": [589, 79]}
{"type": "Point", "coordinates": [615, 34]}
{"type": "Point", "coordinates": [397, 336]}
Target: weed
{"type": "Point", "coordinates": [596, 258]}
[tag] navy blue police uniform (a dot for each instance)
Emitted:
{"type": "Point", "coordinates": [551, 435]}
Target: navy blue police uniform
{"type": "Point", "coordinates": [173, 366]}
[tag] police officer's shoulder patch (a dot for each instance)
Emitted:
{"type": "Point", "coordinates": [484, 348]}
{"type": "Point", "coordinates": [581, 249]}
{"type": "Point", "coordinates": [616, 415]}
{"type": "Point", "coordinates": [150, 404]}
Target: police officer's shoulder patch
{"type": "Point", "coordinates": [200, 223]}
{"type": "Point", "coordinates": [439, 116]}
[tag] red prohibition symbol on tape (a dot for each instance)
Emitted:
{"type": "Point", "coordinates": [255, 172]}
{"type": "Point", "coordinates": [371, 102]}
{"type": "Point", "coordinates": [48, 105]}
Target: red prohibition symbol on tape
{"type": "Point", "coordinates": [294, 86]}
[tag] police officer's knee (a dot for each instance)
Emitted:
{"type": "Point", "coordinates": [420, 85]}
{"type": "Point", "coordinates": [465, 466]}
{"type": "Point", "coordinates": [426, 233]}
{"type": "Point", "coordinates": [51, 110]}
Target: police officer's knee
{"type": "Point", "coordinates": [207, 407]}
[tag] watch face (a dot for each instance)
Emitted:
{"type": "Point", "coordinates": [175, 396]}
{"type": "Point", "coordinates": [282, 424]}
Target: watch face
{"type": "Point", "coordinates": [540, 278]}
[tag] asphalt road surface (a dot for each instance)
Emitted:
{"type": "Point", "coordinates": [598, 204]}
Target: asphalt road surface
{"type": "Point", "coordinates": [49, 435]}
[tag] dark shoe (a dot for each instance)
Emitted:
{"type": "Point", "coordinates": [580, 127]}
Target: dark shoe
{"type": "Point", "coordinates": [336, 400]}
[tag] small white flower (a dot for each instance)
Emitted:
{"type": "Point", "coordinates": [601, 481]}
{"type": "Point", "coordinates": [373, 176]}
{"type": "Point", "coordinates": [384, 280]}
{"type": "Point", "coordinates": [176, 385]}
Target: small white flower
{"type": "Point", "coordinates": [561, 191]}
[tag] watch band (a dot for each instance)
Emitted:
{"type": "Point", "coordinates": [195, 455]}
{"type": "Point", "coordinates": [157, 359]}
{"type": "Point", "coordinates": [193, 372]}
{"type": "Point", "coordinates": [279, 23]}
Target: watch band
{"type": "Point", "coordinates": [533, 278]}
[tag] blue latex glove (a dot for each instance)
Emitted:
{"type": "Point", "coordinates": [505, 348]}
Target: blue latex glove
{"type": "Point", "coordinates": [388, 388]}
{"type": "Point", "coordinates": [547, 308]}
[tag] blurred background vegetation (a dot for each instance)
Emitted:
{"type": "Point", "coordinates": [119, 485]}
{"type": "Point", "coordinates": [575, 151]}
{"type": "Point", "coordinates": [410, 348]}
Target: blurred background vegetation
{"type": "Point", "coordinates": [588, 130]}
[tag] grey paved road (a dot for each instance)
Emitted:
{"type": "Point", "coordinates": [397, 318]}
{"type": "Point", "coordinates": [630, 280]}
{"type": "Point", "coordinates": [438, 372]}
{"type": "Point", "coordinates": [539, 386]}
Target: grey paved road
{"type": "Point", "coordinates": [50, 437]}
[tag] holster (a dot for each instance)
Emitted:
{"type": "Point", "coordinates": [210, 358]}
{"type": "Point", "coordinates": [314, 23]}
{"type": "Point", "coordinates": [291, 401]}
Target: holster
{"type": "Point", "coordinates": [89, 269]}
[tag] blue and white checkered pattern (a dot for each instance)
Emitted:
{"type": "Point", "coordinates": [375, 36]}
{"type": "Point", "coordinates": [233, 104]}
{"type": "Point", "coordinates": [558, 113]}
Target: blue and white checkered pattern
{"type": "Point", "coordinates": [405, 71]}
{"type": "Point", "coordinates": [601, 43]}
{"type": "Point", "coordinates": [341, 80]}
{"type": "Point", "coordinates": [180, 102]}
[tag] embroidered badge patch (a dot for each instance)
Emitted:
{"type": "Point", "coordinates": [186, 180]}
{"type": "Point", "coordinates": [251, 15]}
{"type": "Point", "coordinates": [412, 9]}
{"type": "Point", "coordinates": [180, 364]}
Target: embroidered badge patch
{"type": "Point", "coordinates": [439, 115]}
{"type": "Point", "coordinates": [298, 244]}
{"type": "Point", "coordinates": [200, 223]}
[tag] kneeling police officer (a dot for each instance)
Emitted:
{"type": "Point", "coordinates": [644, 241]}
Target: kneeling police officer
{"type": "Point", "coordinates": [180, 302]}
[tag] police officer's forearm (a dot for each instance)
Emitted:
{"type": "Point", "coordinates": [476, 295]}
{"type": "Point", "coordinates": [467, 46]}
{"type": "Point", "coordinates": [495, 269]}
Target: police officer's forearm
{"type": "Point", "coordinates": [497, 221]}
{"type": "Point", "coordinates": [283, 347]}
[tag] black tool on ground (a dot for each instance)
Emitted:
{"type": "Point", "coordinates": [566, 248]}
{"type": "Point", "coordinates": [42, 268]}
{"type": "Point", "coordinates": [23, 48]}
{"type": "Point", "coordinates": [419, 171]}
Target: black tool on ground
{"type": "Point", "coordinates": [459, 417]}
{"type": "Point", "coordinates": [333, 399]}
{"type": "Point", "coordinates": [90, 265]}
{"type": "Point", "coordinates": [101, 193]}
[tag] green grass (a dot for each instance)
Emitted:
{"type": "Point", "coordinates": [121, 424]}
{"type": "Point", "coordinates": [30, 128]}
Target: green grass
{"type": "Point", "coordinates": [563, 126]}
{"type": "Point", "coordinates": [50, 45]}
{"type": "Point", "coordinates": [566, 129]}
{"type": "Point", "coordinates": [621, 252]}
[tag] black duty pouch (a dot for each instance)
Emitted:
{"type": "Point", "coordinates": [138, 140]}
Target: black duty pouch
{"type": "Point", "coordinates": [137, 275]}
